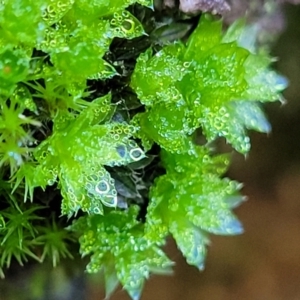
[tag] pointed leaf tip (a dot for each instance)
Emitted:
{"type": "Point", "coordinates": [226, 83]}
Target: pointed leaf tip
{"type": "Point", "coordinates": [134, 293]}
{"type": "Point", "coordinates": [281, 82]}
{"type": "Point", "coordinates": [229, 227]}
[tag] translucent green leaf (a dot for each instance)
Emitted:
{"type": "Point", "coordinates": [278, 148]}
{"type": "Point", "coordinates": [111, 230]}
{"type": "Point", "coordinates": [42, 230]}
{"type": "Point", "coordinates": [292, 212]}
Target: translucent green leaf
{"type": "Point", "coordinates": [125, 25]}
{"type": "Point", "coordinates": [251, 115]}
{"type": "Point", "coordinates": [229, 225]}
{"type": "Point", "coordinates": [197, 160]}
{"type": "Point", "coordinates": [248, 37]}
{"type": "Point", "coordinates": [111, 280]}
{"type": "Point", "coordinates": [204, 37]}
{"type": "Point", "coordinates": [230, 121]}
{"type": "Point", "coordinates": [55, 39]}
{"type": "Point", "coordinates": [222, 121]}
{"type": "Point", "coordinates": [95, 112]}
{"type": "Point", "coordinates": [55, 10]}
{"type": "Point", "coordinates": [219, 77]}
{"type": "Point", "coordinates": [192, 242]}
{"type": "Point", "coordinates": [234, 32]}
{"type": "Point", "coordinates": [263, 84]}
{"type": "Point", "coordinates": [80, 192]}
{"type": "Point", "coordinates": [210, 210]}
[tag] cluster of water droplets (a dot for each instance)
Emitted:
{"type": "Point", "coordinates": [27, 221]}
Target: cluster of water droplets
{"type": "Point", "coordinates": [124, 25]}
{"type": "Point", "coordinates": [56, 39]}
{"type": "Point", "coordinates": [47, 167]}
{"type": "Point", "coordinates": [100, 188]}
{"type": "Point", "coordinates": [154, 77]}
{"type": "Point", "coordinates": [73, 196]}
{"type": "Point", "coordinates": [112, 144]}
{"type": "Point", "coordinates": [222, 122]}
{"type": "Point", "coordinates": [130, 152]}
{"type": "Point", "coordinates": [55, 10]}
{"type": "Point", "coordinates": [81, 61]}
{"type": "Point", "coordinates": [171, 124]}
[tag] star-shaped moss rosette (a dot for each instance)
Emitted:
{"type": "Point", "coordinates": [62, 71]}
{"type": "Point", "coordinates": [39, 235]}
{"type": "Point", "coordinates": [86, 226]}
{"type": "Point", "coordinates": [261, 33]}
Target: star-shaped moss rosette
{"type": "Point", "coordinates": [118, 247]}
{"type": "Point", "coordinates": [213, 81]}
{"type": "Point", "coordinates": [76, 153]}
{"type": "Point", "coordinates": [191, 200]}
{"type": "Point", "coordinates": [17, 233]}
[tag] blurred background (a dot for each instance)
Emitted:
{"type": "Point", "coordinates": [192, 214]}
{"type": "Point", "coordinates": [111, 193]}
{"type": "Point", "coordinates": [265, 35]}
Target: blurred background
{"type": "Point", "coordinates": [264, 262]}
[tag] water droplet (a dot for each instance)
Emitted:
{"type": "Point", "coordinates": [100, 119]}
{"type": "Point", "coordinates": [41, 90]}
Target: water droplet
{"type": "Point", "coordinates": [110, 201]}
{"type": "Point", "coordinates": [136, 154]}
{"type": "Point", "coordinates": [102, 187]}
{"type": "Point", "coordinates": [97, 211]}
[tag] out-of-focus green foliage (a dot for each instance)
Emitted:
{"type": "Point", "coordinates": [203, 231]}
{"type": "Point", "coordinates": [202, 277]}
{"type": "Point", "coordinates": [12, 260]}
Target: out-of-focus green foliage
{"type": "Point", "coordinates": [77, 117]}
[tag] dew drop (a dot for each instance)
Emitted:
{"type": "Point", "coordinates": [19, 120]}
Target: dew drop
{"type": "Point", "coordinates": [97, 210]}
{"type": "Point", "coordinates": [102, 187]}
{"type": "Point", "coordinates": [110, 201]}
{"type": "Point", "coordinates": [136, 154]}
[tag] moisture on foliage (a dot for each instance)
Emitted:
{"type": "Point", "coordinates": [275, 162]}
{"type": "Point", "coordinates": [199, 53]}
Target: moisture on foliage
{"type": "Point", "coordinates": [213, 81]}
{"type": "Point", "coordinates": [79, 115]}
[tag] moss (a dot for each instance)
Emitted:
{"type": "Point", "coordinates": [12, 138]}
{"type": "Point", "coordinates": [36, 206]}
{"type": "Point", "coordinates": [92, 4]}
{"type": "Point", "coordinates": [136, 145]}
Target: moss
{"type": "Point", "coordinates": [88, 112]}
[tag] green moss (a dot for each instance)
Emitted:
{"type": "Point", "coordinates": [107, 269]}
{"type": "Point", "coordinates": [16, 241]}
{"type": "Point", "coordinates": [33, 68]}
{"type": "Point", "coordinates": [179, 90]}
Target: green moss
{"type": "Point", "coordinates": [81, 106]}
{"type": "Point", "coordinates": [201, 84]}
